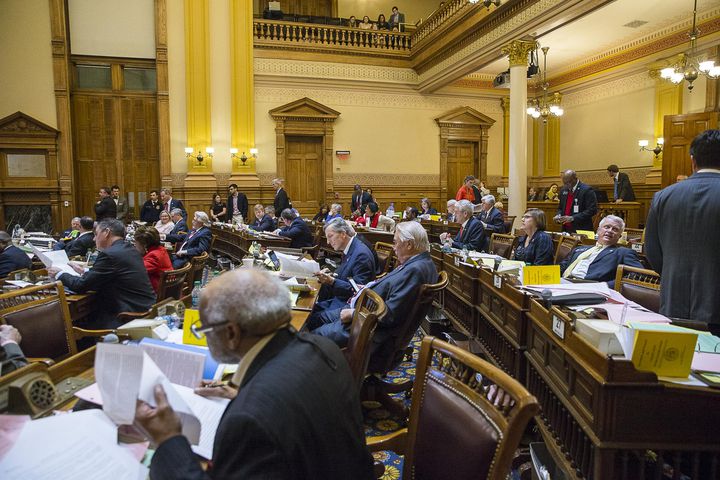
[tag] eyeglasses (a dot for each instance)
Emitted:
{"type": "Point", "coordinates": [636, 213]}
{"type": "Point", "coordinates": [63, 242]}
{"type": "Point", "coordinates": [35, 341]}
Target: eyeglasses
{"type": "Point", "coordinates": [199, 331]}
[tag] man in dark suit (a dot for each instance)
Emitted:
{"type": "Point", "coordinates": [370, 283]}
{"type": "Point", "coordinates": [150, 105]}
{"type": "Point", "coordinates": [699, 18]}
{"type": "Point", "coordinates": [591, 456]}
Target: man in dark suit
{"type": "Point", "coordinates": [11, 356]}
{"type": "Point", "coordinates": [84, 241]}
{"type": "Point", "coordinates": [179, 231]}
{"type": "Point", "coordinates": [281, 201]}
{"type": "Point", "coordinates": [577, 204]}
{"type": "Point", "coordinates": [237, 205]}
{"type": "Point", "coordinates": [359, 200]}
{"type": "Point", "coordinates": [170, 204]}
{"type": "Point", "coordinates": [150, 212]}
{"type": "Point", "coordinates": [296, 414]}
{"type": "Point", "coordinates": [682, 226]}
{"type": "Point", "coordinates": [118, 277]}
{"type": "Point", "coordinates": [622, 188]}
{"type": "Point", "coordinates": [105, 207]}
{"type": "Point", "coordinates": [295, 229]}
{"type": "Point", "coordinates": [471, 234]}
{"type": "Point", "coordinates": [121, 204]}
{"type": "Point", "coordinates": [398, 289]}
{"type": "Point", "coordinates": [599, 263]}
{"type": "Point", "coordinates": [11, 257]}
{"type": "Point", "coordinates": [196, 243]}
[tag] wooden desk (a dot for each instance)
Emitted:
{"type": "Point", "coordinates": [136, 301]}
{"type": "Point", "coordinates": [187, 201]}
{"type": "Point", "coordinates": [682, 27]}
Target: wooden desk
{"type": "Point", "coordinates": [236, 245]}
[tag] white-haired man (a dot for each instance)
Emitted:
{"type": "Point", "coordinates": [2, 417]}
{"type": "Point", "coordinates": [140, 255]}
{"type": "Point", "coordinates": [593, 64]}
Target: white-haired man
{"type": "Point", "coordinates": [471, 235]}
{"type": "Point", "coordinates": [197, 242]}
{"type": "Point", "coordinates": [398, 289]}
{"type": "Point", "coordinates": [600, 262]}
{"type": "Point", "coordinates": [296, 413]}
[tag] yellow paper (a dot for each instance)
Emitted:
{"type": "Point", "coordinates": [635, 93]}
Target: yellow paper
{"type": "Point", "coordinates": [666, 353]}
{"type": "Point", "coordinates": [541, 275]}
{"type": "Point", "coordinates": [588, 233]}
{"type": "Point", "coordinates": [192, 317]}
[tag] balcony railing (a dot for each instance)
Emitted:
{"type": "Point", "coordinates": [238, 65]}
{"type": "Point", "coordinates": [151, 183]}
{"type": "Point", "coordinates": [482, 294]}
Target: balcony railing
{"type": "Point", "coordinates": [281, 34]}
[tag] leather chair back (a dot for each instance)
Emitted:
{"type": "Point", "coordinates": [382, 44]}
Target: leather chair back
{"type": "Point", "coordinates": [639, 285]}
{"type": "Point", "coordinates": [467, 416]}
{"type": "Point", "coordinates": [565, 246]}
{"type": "Point", "coordinates": [369, 308]}
{"type": "Point", "coordinates": [42, 317]}
{"type": "Point", "coordinates": [171, 283]}
{"type": "Point", "coordinates": [502, 244]}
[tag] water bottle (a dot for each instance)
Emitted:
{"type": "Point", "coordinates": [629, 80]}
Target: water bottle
{"type": "Point", "coordinates": [196, 295]}
{"type": "Point", "coordinates": [391, 210]}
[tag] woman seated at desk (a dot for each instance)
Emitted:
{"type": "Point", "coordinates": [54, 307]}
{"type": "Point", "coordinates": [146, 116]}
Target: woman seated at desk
{"type": "Point", "coordinates": [536, 246]}
{"type": "Point", "coordinates": [155, 257]}
{"type": "Point", "coordinates": [164, 225]}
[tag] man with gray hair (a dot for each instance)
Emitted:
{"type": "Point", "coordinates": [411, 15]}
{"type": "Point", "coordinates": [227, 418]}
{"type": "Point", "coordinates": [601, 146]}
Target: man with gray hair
{"type": "Point", "coordinates": [599, 263]}
{"type": "Point", "coordinates": [471, 235]}
{"type": "Point", "coordinates": [11, 257]}
{"type": "Point", "coordinates": [398, 289]}
{"type": "Point", "coordinates": [296, 413]}
{"type": "Point", "coordinates": [197, 241]}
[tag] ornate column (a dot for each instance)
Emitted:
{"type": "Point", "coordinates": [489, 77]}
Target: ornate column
{"type": "Point", "coordinates": [518, 51]}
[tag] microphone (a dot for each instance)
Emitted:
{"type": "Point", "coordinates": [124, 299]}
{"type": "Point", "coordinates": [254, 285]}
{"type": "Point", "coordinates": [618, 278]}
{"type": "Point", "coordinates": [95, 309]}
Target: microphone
{"type": "Point", "coordinates": [547, 298]}
{"type": "Point", "coordinates": [111, 338]}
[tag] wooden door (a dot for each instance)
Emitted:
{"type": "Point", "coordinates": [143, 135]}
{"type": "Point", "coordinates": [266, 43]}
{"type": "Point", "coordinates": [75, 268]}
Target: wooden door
{"type": "Point", "coordinates": [460, 163]}
{"type": "Point", "coordinates": [303, 169]}
{"type": "Point", "coordinates": [679, 132]}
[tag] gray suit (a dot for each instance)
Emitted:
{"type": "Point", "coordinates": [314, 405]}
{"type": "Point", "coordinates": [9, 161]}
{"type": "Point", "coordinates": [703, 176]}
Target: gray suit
{"type": "Point", "coordinates": [683, 223]}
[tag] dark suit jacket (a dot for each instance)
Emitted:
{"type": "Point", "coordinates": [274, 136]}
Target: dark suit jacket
{"type": "Point", "coordinates": [120, 281]}
{"type": "Point", "coordinates": [178, 233]}
{"type": "Point", "coordinates": [281, 201]}
{"type": "Point", "coordinates": [299, 234]}
{"type": "Point", "coordinates": [265, 224]}
{"type": "Point", "coordinates": [296, 416]}
{"type": "Point", "coordinates": [242, 205]}
{"type": "Point", "coordinates": [624, 188]}
{"type": "Point", "coordinates": [151, 213]}
{"type": "Point", "coordinates": [473, 236]}
{"type": "Point", "coordinates": [604, 267]}
{"type": "Point", "coordinates": [359, 201]}
{"type": "Point", "coordinates": [540, 250]}
{"type": "Point", "coordinates": [682, 226]}
{"type": "Point", "coordinates": [105, 209]}
{"type": "Point", "coordinates": [11, 358]}
{"type": "Point", "coordinates": [80, 245]}
{"type": "Point", "coordinates": [11, 259]}
{"type": "Point", "coordinates": [358, 264]}
{"type": "Point", "coordinates": [587, 207]}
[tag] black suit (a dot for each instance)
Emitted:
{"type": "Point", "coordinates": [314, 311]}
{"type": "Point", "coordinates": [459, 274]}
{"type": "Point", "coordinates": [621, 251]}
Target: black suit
{"type": "Point", "coordinates": [120, 281]}
{"type": "Point", "coordinates": [242, 206]}
{"type": "Point", "coordinates": [281, 201]}
{"type": "Point", "coordinates": [586, 203]}
{"type": "Point", "coordinates": [80, 245]}
{"type": "Point", "coordinates": [106, 208]}
{"type": "Point", "coordinates": [11, 259]}
{"type": "Point", "coordinates": [624, 188]}
{"type": "Point", "coordinates": [296, 416]}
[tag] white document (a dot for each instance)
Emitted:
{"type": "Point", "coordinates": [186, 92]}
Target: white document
{"type": "Point", "coordinates": [298, 268]}
{"type": "Point", "coordinates": [55, 258]}
{"type": "Point", "coordinates": [70, 446]}
{"type": "Point", "coordinates": [180, 366]}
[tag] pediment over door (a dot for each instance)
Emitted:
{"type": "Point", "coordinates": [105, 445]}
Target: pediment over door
{"type": "Point", "coordinates": [19, 124]}
{"type": "Point", "coordinates": [305, 109]}
{"type": "Point", "coordinates": [464, 117]}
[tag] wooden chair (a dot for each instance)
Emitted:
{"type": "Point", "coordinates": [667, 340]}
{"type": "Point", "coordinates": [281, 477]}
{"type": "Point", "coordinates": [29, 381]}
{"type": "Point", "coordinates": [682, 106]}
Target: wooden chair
{"type": "Point", "coordinates": [386, 257]}
{"type": "Point", "coordinates": [502, 244]}
{"type": "Point", "coordinates": [41, 315]}
{"type": "Point", "coordinates": [391, 352]}
{"type": "Point", "coordinates": [197, 265]}
{"type": "Point", "coordinates": [565, 246]}
{"type": "Point", "coordinates": [171, 283]}
{"type": "Point", "coordinates": [466, 419]}
{"type": "Point", "coordinates": [639, 285]}
{"type": "Point", "coordinates": [369, 308]}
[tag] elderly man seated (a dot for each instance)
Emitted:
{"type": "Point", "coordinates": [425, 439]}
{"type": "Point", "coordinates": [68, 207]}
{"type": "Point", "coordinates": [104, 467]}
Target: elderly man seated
{"type": "Point", "coordinates": [118, 277]}
{"type": "Point", "coordinates": [599, 263]}
{"type": "Point", "coordinates": [296, 413]}
{"type": "Point", "coordinates": [398, 289]}
{"type": "Point", "coordinates": [11, 257]}
{"type": "Point", "coordinates": [197, 241]}
{"type": "Point", "coordinates": [471, 234]}
{"type": "Point", "coordinates": [295, 229]}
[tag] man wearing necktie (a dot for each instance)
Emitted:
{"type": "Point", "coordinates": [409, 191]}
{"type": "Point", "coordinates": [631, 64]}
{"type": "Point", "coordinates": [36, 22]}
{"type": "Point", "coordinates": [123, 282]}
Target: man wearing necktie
{"type": "Point", "coordinates": [600, 262]}
{"type": "Point", "coordinates": [398, 289]}
{"type": "Point", "coordinates": [622, 188]}
{"type": "Point", "coordinates": [577, 204]}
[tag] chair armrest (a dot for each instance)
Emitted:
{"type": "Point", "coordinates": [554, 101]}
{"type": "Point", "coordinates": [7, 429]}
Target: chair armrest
{"type": "Point", "coordinates": [47, 361]}
{"type": "Point", "coordinates": [393, 441]}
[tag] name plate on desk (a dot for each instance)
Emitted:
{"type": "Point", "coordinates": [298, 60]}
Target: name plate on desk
{"type": "Point", "coordinates": [497, 281]}
{"type": "Point", "coordinates": [558, 327]}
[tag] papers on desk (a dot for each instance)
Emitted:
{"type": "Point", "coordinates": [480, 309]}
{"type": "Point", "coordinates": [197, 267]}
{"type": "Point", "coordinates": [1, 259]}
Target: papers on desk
{"type": "Point", "coordinates": [126, 373]}
{"type": "Point", "coordinates": [303, 268]}
{"type": "Point", "coordinates": [57, 259]}
{"type": "Point", "coordinates": [74, 445]}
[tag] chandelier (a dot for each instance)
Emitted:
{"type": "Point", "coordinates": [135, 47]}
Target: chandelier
{"type": "Point", "coordinates": [690, 65]}
{"type": "Point", "coordinates": [545, 107]}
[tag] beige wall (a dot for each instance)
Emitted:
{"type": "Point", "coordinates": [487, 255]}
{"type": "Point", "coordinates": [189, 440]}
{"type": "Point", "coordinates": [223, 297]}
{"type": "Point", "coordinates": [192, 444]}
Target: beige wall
{"type": "Point", "coordinates": [112, 28]}
{"type": "Point", "coordinates": [26, 83]}
{"type": "Point", "coordinates": [413, 10]}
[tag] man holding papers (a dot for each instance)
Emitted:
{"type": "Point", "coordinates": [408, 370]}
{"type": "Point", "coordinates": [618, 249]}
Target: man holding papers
{"type": "Point", "coordinates": [11, 257]}
{"type": "Point", "coordinates": [296, 414]}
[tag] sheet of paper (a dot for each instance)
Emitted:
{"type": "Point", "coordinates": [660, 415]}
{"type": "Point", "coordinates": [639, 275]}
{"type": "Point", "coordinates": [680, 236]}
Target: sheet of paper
{"type": "Point", "coordinates": [209, 411]}
{"type": "Point", "coordinates": [181, 367]}
{"type": "Point", "coordinates": [75, 445]}
{"type": "Point", "coordinates": [300, 269]}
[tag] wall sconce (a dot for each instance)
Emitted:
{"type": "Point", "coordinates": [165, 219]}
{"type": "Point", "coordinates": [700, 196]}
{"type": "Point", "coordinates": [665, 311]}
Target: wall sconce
{"type": "Point", "coordinates": [643, 144]}
{"type": "Point", "coordinates": [199, 157]}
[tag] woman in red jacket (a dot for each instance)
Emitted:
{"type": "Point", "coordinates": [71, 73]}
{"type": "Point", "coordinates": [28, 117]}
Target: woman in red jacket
{"type": "Point", "coordinates": [155, 257]}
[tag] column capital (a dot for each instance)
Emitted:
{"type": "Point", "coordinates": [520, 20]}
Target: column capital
{"type": "Point", "coordinates": [518, 51]}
